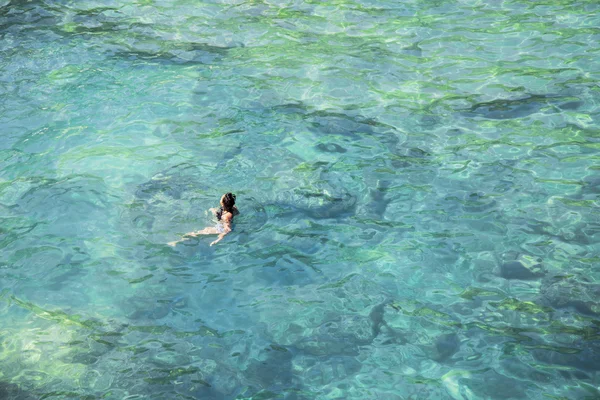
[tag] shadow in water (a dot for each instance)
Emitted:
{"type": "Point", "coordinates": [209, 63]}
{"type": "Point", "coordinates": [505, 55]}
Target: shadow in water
{"type": "Point", "coordinates": [10, 391]}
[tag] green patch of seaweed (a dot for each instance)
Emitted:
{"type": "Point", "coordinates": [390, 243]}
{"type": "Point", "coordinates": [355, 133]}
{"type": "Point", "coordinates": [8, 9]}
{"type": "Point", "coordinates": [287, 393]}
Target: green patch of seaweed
{"type": "Point", "coordinates": [521, 306]}
{"type": "Point", "coordinates": [57, 315]}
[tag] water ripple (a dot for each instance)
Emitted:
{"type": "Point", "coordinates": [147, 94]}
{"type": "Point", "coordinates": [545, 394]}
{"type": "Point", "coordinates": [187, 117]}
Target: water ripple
{"type": "Point", "coordinates": [417, 181]}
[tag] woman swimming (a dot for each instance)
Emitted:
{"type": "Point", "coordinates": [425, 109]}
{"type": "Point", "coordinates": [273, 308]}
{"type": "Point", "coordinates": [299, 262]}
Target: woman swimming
{"type": "Point", "coordinates": [224, 216]}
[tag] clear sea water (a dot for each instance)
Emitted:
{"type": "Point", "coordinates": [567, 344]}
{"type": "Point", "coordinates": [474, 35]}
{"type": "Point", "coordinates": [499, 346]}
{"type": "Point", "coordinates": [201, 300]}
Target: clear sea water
{"type": "Point", "coordinates": [418, 181]}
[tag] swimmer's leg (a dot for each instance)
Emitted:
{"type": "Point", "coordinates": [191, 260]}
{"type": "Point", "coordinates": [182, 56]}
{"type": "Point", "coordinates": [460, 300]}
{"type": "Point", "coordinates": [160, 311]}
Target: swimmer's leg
{"type": "Point", "coordinates": [209, 230]}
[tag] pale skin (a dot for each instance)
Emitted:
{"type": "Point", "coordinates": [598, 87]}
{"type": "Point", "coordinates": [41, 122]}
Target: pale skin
{"type": "Point", "coordinates": [226, 219]}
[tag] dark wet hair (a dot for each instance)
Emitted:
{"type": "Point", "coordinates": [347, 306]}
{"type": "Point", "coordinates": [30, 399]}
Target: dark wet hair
{"type": "Point", "coordinates": [228, 202]}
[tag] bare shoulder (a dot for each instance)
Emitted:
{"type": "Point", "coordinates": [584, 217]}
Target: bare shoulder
{"type": "Point", "coordinates": [227, 217]}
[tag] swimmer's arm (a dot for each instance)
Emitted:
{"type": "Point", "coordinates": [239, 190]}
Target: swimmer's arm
{"type": "Point", "coordinates": [226, 228]}
{"type": "Point", "coordinates": [221, 236]}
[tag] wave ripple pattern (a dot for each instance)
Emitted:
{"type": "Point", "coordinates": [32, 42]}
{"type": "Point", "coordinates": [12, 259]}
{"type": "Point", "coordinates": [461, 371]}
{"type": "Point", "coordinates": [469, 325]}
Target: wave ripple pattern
{"type": "Point", "coordinates": [418, 181]}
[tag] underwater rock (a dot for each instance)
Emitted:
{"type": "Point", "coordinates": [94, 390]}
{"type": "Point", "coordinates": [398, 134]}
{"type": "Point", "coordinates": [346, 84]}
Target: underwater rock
{"type": "Point", "coordinates": [489, 384]}
{"type": "Point", "coordinates": [478, 202]}
{"type": "Point", "coordinates": [169, 359]}
{"type": "Point", "coordinates": [171, 192]}
{"type": "Point", "coordinates": [324, 372]}
{"type": "Point", "coordinates": [69, 268]}
{"type": "Point", "coordinates": [406, 157]}
{"type": "Point", "coordinates": [413, 50]}
{"type": "Point", "coordinates": [336, 124]}
{"type": "Point", "coordinates": [353, 128]}
{"type": "Point", "coordinates": [12, 391]}
{"type": "Point", "coordinates": [591, 184]}
{"type": "Point", "coordinates": [576, 233]}
{"type": "Point", "coordinates": [331, 148]}
{"type": "Point", "coordinates": [273, 367]}
{"type": "Point", "coordinates": [329, 196]}
{"type": "Point", "coordinates": [590, 189]}
{"type": "Point", "coordinates": [520, 370]}
{"type": "Point", "coordinates": [445, 346]}
{"type": "Point", "coordinates": [84, 358]}
{"type": "Point", "coordinates": [378, 203]}
{"type": "Point", "coordinates": [343, 336]}
{"type": "Point", "coordinates": [219, 379]}
{"type": "Point", "coordinates": [413, 152]}
{"type": "Point", "coordinates": [516, 270]}
{"type": "Point", "coordinates": [327, 345]}
{"type": "Point", "coordinates": [322, 201]}
{"type": "Point", "coordinates": [327, 122]}
{"type": "Point", "coordinates": [376, 316]}
{"type": "Point", "coordinates": [179, 53]}
{"type": "Point", "coordinates": [523, 107]}
{"type": "Point", "coordinates": [151, 308]}
{"type": "Point", "coordinates": [586, 358]}
{"type": "Point", "coordinates": [571, 293]}
{"type": "Point", "coordinates": [171, 183]}
{"type": "Point", "coordinates": [335, 207]}
{"type": "Point", "coordinates": [340, 336]}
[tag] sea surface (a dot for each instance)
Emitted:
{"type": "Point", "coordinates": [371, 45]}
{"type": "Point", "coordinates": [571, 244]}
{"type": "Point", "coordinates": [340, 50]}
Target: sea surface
{"type": "Point", "coordinates": [418, 182]}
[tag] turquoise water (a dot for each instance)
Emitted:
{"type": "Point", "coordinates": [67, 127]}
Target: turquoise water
{"type": "Point", "coordinates": [418, 182]}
